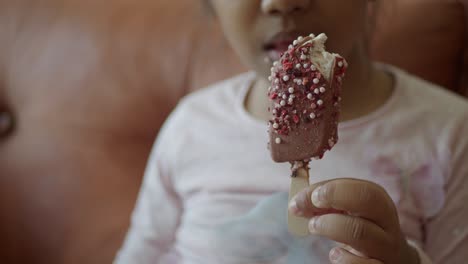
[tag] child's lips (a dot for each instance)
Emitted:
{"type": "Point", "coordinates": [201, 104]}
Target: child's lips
{"type": "Point", "coordinates": [279, 44]}
{"type": "Point", "coordinates": [274, 52]}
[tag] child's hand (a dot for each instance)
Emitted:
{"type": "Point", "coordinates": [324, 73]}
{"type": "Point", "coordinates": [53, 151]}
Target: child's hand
{"type": "Point", "coordinates": [359, 214]}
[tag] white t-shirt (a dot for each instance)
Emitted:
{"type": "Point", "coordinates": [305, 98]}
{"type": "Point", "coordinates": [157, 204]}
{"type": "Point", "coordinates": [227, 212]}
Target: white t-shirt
{"type": "Point", "coordinates": [212, 194]}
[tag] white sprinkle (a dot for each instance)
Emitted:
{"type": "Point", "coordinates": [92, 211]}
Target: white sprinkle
{"type": "Point", "coordinates": [295, 42]}
{"type": "Point", "coordinates": [306, 66]}
{"type": "Point", "coordinates": [320, 102]}
{"type": "Point", "coordinates": [340, 64]}
{"type": "Point", "coordinates": [316, 91]}
{"type": "Point", "coordinates": [286, 78]}
{"type": "Point", "coordinates": [312, 116]}
{"type": "Point", "coordinates": [285, 96]}
{"type": "Point", "coordinates": [278, 140]}
{"type": "Point", "coordinates": [274, 111]}
{"type": "Point", "coordinates": [322, 89]}
{"type": "Point", "coordinates": [272, 69]}
{"type": "Point", "coordinates": [313, 68]}
{"type": "Point", "coordinates": [292, 96]}
{"type": "Point", "coordinates": [310, 96]}
{"type": "Point", "coordinates": [316, 81]}
{"type": "Point", "coordinates": [291, 90]}
{"type": "Point", "coordinates": [298, 66]}
{"type": "Point", "coordinates": [275, 125]}
{"type": "Point", "coordinates": [283, 103]}
{"type": "Point", "coordinates": [290, 47]}
{"type": "Point", "coordinates": [300, 38]}
{"type": "Point", "coordinates": [290, 100]}
{"type": "Point", "coordinates": [299, 82]}
{"type": "Point", "coordinates": [270, 78]}
{"type": "Point", "coordinates": [275, 63]}
{"type": "Point", "coordinates": [276, 81]}
{"type": "Point", "coordinates": [312, 35]}
{"type": "Point", "coordinates": [303, 57]}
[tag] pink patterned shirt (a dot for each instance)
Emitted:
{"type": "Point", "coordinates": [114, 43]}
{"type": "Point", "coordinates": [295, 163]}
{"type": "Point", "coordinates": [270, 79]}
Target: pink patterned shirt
{"type": "Point", "coordinates": [212, 194]}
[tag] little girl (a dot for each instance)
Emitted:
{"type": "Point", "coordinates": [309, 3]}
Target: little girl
{"type": "Point", "coordinates": [212, 194]}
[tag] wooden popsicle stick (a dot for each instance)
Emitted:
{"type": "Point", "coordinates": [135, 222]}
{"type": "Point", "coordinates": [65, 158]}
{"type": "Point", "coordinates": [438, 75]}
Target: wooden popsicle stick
{"type": "Point", "coordinates": [298, 226]}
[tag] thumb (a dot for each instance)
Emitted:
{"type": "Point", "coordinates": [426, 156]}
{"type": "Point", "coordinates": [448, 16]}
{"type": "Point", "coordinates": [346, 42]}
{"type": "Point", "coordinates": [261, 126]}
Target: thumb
{"type": "Point", "coordinates": [301, 204]}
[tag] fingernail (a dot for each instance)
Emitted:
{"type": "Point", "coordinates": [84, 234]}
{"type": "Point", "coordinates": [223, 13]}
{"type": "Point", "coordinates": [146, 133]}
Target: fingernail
{"type": "Point", "coordinates": [317, 197]}
{"type": "Point", "coordinates": [313, 224]}
{"type": "Point", "coordinates": [293, 208]}
{"type": "Point", "coordinates": [335, 255]}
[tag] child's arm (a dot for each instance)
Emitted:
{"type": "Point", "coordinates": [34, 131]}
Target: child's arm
{"type": "Point", "coordinates": [157, 212]}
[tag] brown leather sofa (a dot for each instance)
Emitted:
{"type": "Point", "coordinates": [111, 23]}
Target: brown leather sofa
{"type": "Point", "coordinates": [85, 86]}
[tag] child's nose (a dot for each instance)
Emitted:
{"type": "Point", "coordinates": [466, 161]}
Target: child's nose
{"type": "Point", "coordinates": [283, 7]}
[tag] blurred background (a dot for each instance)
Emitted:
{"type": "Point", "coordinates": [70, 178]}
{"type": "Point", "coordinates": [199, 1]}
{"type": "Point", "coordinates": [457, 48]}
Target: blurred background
{"type": "Point", "coordinates": [86, 84]}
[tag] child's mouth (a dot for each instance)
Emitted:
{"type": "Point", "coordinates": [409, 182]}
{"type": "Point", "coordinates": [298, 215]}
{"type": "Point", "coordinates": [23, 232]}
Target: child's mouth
{"type": "Point", "coordinates": [279, 44]}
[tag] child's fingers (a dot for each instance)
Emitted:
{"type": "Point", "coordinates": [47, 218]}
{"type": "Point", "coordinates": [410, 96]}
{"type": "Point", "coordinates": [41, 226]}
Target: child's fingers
{"type": "Point", "coordinates": [359, 233]}
{"type": "Point", "coordinates": [301, 204]}
{"type": "Point", "coordinates": [341, 256]}
{"type": "Point", "coordinates": [360, 198]}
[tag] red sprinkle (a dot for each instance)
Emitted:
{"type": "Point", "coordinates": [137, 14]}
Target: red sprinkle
{"type": "Point", "coordinates": [287, 65]}
{"type": "Point", "coordinates": [273, 96]}
{"type": "Point", "coordinates": [296, 119]}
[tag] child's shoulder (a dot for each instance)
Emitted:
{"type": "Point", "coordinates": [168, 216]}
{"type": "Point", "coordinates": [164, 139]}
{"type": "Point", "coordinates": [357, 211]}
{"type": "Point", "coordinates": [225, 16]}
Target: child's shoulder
{"type": "Point", "coordinates": [426, 96]}
{"type": "Point", "coordinates": [214, 101]}
{"type": "Point", "coordinates": [221, 93]}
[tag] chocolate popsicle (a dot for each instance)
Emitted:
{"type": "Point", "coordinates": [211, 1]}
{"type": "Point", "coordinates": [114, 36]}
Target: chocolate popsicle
{"type": "Point", "coordinates": [305, 105]}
